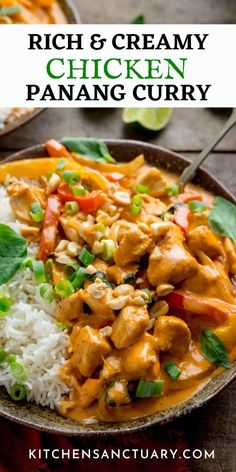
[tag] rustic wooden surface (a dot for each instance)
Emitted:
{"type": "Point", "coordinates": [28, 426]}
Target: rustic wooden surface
{"type": "Point", "coordinates": [214, 425]}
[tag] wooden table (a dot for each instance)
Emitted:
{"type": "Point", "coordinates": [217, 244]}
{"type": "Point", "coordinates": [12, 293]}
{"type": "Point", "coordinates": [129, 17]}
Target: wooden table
{"type": "Point", "coordinates": [211, 426]}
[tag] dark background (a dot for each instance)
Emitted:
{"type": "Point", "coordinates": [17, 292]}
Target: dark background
{"type": "Point", "coordinates": [189, 130]}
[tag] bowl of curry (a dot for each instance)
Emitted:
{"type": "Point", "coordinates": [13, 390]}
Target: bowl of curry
{"type": "Point", "coordinates": [139, 275]}
{"type": "Point", "coordinates": [31, 12]}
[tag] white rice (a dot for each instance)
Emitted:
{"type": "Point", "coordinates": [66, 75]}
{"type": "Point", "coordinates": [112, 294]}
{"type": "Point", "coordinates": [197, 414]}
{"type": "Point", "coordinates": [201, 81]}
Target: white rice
{"type": "Point", "coordinates": [30, 332]}
{"type": "Point", "coordinates": [4, 115]}
{"type": "Point", "coordinates": [9, 115]}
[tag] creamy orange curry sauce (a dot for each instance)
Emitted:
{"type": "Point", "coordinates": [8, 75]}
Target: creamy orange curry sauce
{"type": "Point", "coordinates": [31, 11]}
{"type": "Point", "coordinates": [142, 283]}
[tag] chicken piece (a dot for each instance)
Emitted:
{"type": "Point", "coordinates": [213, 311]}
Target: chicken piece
{"type": "Point", "coordinates": [172, 335]}
{"type": "Point", "coordinates": [140, 361]}
{"type": "Point", "coordinates": [154, 180]}
{"type": "Point", "coordinates": [202, 280]}
{"type": "Point", "coordinates": [69, 309]}
{"type": "Point", "coordinates": [90, 349]}
{"type": "Point", "coordinates": [170, 261]}
{"type": "Point", "coordinates": [132, 247]}
{"type": "Point", "coordinates": [22, 198]}
{"type": "Point", "coordinates": [119, 275]}
{"type": "Point", "coordinates": [111, 368]}
{"type": "Point", "coordinates": [102, 313]}
{"type": "Point", "coordinates": [131, 322]}
{"type": "Point", "coordinates": [152, 206]}
{"type": "Point", "coordinates": [89, 392]}
{"type": "Point", "coordinates": [203, 239]}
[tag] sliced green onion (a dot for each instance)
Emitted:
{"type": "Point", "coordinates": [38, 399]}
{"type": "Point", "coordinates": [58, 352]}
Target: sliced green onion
{"type": "Point", "coordinates": [149, 388]}
{"type": "Point", "coordinates": [18, 371]}
{"type": "Point", "coordinates": [100, 230]}
{"type": "Point", "coordinates": [197, 206]}
{"type": "Point", "coordinates": [3, 355]}
{"type": "Point", "coordinates": [49, 270]}
{"type": "Point", "coordinates": [60, 325]}
{"type": "Point", "coordinates": [77, 190]}
{"type": "Point", "coordinates": [39, 271]}
{"type": "Point", "coordinates": [108, 249]}
{"type": "Point", "coordinates": [17, 392]}
{"type": "Point", "coordinates": [36, 213]}
{"type": "Point", "coordinates": [136, 205]}
{"type": "Point", "coordinates": [8, 11]}
{"type": "Point", "coordinates": [71, 177]}
{"type": "Point", "coordinates": [71, 208]}
{"type": "Point", "coordinates": [64, 288]}
{"type": "Point", "coordinates": [167, 216]}
{"type": "Point", "coordinates": [79, 278]}
{"type": "Point", "coordinates": [86, 257]}
{"type": "Point", "coordinates": [70, 270]}
{"type": "Point", "coordinates": [61, 164]}
{"type": "Point", "coordinates": [172, 190]}
{"type": "Point", "coordinates": [146, 290]}
{"type": "Point", "coordinates": [47, 293]}
{"type": "Point", "coordinates": [172, 370]}
{"type": "Point", "coordinates": [11, 358]}
{"type": "Point", "coordinates": [5, 305]}
{"type": "Point", "coordinates": [141, 188]}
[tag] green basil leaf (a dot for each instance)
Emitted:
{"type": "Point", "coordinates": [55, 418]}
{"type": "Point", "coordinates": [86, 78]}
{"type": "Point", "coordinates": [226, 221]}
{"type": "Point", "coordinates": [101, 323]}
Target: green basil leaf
{"type": "Point", "coordinates": [13, 250]}
{"type": "Point", "coordinates": [139, 20]}
{"type": "Point", "coordinates": [213, 349]}
{"type": "Point", "coordinates": [222, 218]}
{"type": "Point", "coordinates": [92, 148]}
{"type": "Point", "coordinates": [8, 11]}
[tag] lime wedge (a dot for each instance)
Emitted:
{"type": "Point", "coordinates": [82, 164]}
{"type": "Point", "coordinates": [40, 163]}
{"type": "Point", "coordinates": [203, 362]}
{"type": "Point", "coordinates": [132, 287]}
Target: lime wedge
{"type": "Point", "coordinates": [153, 119]}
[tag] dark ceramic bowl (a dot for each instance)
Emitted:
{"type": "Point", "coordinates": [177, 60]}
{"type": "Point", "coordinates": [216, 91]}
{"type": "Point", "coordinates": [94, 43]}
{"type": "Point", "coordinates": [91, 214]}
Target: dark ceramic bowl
{"type": "Point", "coordinates": [72, 17]}
{"type": "Point", "coordinates": [45, 419]}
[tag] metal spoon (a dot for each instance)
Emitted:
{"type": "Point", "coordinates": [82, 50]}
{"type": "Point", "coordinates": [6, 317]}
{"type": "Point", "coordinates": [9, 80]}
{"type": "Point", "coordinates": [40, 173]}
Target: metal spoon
{"type": "Point", "coordinates": [190, 171]}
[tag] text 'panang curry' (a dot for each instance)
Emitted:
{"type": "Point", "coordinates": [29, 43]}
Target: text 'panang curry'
{"type": "Point", "coordinates": [142, 275]}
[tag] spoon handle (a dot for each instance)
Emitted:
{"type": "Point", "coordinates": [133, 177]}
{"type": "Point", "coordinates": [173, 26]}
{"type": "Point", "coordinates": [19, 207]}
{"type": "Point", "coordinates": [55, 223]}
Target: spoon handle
{"type": "Point", "coordinates": [190, 171]}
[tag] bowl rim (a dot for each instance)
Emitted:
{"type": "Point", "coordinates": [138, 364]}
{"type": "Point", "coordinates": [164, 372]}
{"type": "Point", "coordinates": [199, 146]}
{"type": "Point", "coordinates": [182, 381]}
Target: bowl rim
{"type": "Point", "coordinates": [17, 123]}
{"type": "Point", "coordinates": [170, 414]}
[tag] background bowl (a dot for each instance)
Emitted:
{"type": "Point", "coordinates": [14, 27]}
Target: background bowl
{"type": "Point", "coordinates": [72, 17]}
{"type": "Point", "coordinates": [49, 421]}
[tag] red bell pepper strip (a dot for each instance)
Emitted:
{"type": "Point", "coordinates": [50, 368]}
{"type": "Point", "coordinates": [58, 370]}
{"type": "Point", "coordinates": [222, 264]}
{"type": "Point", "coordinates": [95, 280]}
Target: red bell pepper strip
{"type": "Point", "coordinates": [188, 197]}
{"type": "Point", "coordinates": [56, 149]}
{"type": "Point", "coordinates": [87, 203]}
{"type": "Point", "coordinates": [114, 176]}
{"type": "Point", "coordinates": [210, 308]}
{"type": "Point", "coordinates": [182, 215]}
{"type": "Point", "coordinates": [50, 225]}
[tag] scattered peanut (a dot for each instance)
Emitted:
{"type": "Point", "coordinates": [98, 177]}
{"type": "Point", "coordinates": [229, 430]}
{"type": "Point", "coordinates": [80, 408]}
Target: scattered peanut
{"type": "Point", "coordinates": [119, 302]}
{"type": "Point", "coordinates": [106, 331]}
{"type": "Point", "coordinates": [97, 247]}
{"type": "Point", "coordinates": [160, 228]}
{"type": "Point", "coordinates": [91, 269]}
{"type": "Point", "coordinates": [160, 308]}
{"type": "Point", "coordinates": [73, 249]}
{"type": "Point", "coordinates": [122, 197]}
{"type": "Point", "coordinates": [164, 289]}
{"type": "Point", "coordinates": [53, 183]}
{"type": "Point", "coordinates": [97, 289]}
{"type": "Point", "coordinates": [123, 289]}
